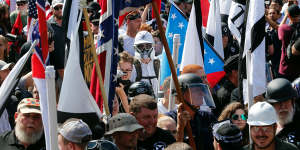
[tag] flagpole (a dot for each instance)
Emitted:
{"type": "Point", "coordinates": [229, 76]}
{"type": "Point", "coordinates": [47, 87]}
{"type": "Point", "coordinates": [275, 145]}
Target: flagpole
{"type": "Point", "coordinates": [104, 96]}
{"type": "Point", "coordinates": [173, 72]}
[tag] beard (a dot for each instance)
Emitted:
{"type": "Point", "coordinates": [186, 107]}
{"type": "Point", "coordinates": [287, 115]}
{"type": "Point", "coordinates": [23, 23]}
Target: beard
{"type": "Point", "coordinates": [283, 120]}
{"type": "Point", "coordinates": [29, 138]}
{"type": "Point", "coordinates": [59, 17]}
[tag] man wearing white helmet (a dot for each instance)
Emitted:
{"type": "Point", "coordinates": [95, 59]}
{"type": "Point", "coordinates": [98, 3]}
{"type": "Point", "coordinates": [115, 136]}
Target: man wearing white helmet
{"type": "Point", "coordinates": [146, 67]}
{"type": "Point", "coordinates": [262, 120]}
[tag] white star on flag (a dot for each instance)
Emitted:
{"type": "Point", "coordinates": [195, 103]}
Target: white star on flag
{"type": "Point", "coordinates": [116, 51]}
{"type": "Point", "coordinates": [170, 35]}
{"type": "Point", "coordinates": [205, 51]}
{"type": "Point", "coordinates": [180, 25]}
{"type": "Point", "coordinates": [211, 61]}
{"type": "Point", "coordinates": [173, 16]}
{"type": "Point", "coordinates": [116, 22]}
{"type": "Point", "coordinates": [101, 33]}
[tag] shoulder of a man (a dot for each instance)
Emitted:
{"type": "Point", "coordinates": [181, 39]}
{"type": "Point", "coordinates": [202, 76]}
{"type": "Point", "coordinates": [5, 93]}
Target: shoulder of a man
{"type": "Point", "coordinates": [6, 138]}
{"type": "Point", "coordinates": [163, 136]}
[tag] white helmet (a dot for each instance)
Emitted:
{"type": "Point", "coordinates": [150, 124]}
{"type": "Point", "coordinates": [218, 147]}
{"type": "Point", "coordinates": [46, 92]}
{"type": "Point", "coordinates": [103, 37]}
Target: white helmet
{"type": "Point", "coordinates": [143, 37]}
{"type": "Point", "coordinates": [262, 114]}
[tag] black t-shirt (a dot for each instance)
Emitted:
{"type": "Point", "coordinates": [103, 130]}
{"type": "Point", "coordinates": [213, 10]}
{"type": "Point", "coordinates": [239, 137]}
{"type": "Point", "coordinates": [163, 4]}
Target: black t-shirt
{"type": "Point", "coordinates": [8, 141]}
{"type": "Point", "coordinates": [159, 141]}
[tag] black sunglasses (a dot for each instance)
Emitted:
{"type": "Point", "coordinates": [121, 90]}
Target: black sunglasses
{"type": "Point", "coordinates": [133, 17]}
{"type": "Point", "coordinates": [236, 117]}
{"type": "Point", "coordinates": [58, 7]}
{"type": "Point", "coordinates": [21, 3]}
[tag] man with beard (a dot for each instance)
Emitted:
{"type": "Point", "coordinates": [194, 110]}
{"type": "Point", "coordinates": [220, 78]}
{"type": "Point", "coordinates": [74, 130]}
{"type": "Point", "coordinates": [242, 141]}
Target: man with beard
{"type": "Point", "coordinates": [57, 57]}
{"type": "Point", "coordinates": [262, 120]}
{"type": "Point", "coordinates": [144, 108]}
{"type": "Point", "coordinates": [124, 130]}
{"type": "Point", "coordinates": [282, 96]}
{"type": "Point", "coordinates": [28, 132]}
{"type": "Point", "coordinates": [21, 6]}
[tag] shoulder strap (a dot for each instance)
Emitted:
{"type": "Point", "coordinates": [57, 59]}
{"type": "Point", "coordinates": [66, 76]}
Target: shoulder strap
{"type": "Point", "coordinates": [138, 68]}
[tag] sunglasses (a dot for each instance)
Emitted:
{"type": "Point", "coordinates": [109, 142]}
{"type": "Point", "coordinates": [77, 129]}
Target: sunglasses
{"type": "Point", "coordinates": [265, 129]}
{"type": "Point", "coordinates": [134, 16]}
{"type": "Point", "coordinates": [236, 117]}
{"type": "Point", "coordinates": [58, 7]}
{"type": "Point", "coordinates": [21, 3]}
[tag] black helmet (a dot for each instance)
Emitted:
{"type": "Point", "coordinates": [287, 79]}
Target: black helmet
{"type": "Point", "coordinates": [280, 90]}
{"type": "Point", "coordinates": [296, 85]}
{"type": "Point", "coordinates": [188, 78]}
{"type": "Point", "coordinates": [140, 87]}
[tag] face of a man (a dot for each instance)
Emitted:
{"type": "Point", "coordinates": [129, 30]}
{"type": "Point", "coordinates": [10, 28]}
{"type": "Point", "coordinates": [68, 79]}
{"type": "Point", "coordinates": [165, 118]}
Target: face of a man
{"type": "Point", "coordinates": [126, 140]}
{"type": "Point", "coordinates": [263, 136]}
{"type": "Point", "coordinates": [285, 111]}
{"type": "Point", "coordinates": [22, 6]}
{"type": "Point", "coordinates": [148, 119]}
{"type": "Point", "coordinates": [57, 11]}
{"type": "Point", "coordinates": [134, 24]}
{"type": "Point", "coordinates": [29, 127]}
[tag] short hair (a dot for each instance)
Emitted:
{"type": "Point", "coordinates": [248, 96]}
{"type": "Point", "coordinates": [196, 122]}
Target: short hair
{"type": "Point", "coordinates": [179, 146]}
{"type": "Point", "coordinates": [164, 119]}
{"type": "Point", "coordinates": [142, 101]}
{"type": "Point", "coordinates": [166, 84]}
{"type": "Point", "coordinates": [125, 57]}
{"type": "Point", "coordinates": [279, 2]}
{"type": "Point", "coordinates": [191, 68]}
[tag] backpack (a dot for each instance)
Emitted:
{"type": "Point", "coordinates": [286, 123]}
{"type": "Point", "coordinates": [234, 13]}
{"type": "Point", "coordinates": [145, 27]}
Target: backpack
{"type": "Point", "coordinates": [295, 36]}
{"type": "Point", "coordinates": [138, 68]}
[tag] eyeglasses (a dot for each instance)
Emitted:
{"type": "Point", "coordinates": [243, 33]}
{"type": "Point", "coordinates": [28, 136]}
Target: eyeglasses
{"type": "Point", "coordinates": [58, 7]}
{"type": "Point", "coordinates": [236, 117]}
{"type": "Point", "coordinates": [265, 129]}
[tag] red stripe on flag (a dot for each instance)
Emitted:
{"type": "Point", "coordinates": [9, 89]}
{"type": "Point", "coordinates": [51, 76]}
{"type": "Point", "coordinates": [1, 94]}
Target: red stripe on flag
{"type": "Point", "coordinates": [214, 78]}
{"type": "Point", "coordinates": [43, 32]}
{"type": "Point", "coordinates": [94, 85]}
{"type": "Point", "coordinates": [204, 11]}
{"type": "Point", "coordinates": [38, 70]}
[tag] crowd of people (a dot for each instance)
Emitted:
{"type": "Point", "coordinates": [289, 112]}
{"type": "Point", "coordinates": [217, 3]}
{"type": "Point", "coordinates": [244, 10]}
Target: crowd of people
{"type": "Point", "coordinates": [207, 118]}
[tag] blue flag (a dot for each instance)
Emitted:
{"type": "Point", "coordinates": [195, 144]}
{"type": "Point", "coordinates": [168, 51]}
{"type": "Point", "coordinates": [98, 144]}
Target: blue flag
{"type": "Point", "coordinates": [177, 24]}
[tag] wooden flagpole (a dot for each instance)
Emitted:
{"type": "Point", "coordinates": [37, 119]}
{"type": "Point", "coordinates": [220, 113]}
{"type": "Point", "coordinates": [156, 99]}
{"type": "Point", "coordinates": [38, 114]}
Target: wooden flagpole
{"type": "Point", "coordinates": [173, 72]}
{"type": "Point", "coordinates": [103, 93]}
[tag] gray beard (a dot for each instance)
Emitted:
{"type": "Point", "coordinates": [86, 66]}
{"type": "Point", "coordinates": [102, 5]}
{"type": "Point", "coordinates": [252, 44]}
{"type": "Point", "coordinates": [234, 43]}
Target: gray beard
{"type": "Point", "coordinates": [27, 138]}
{"type": "Point", "coordinates": [288, 118]}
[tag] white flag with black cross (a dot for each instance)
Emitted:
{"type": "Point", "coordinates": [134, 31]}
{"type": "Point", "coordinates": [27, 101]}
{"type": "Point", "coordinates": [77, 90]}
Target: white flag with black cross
{"type": "Point", "coordinates": [254, 51]}
{"type": "Point", "coordinates": [236, 18]}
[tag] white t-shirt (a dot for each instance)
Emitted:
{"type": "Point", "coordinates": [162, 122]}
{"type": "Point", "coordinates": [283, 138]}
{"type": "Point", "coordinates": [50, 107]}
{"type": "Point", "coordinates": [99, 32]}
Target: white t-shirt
{"type": "Point", "coordinates": [128, 44]}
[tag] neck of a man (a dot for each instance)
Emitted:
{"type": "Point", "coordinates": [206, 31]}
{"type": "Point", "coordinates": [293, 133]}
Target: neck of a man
{"type": "Point", "coordinates": [25, 144]}
{"type": "Point", "coordinates": [270, 147]}
{"type": "Point", "coordinates": [131, 32]}
{"type": "Point", "coordinates": [123, 147]}
{"type": "Point", "coordinates": [58, 21]}
{"type": "Point", "coordinates": [279, 127]}
{"type": "Point", "coordinates": [165, 102]}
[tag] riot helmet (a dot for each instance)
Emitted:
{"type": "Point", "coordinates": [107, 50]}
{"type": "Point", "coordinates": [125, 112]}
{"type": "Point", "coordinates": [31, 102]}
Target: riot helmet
{"type": "Point", "coordinates": [101, 145]}
{"type": "Point", "coordinates": [280, 90]}
{"type": "Point", "coordinates": [195, 91]}
{"type": "Point", "coordinates": [143, 44]}
{"type": "Point", "coordinates": [140, 87]}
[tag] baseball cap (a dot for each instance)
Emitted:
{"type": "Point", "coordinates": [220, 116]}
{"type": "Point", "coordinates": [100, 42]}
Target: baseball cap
{"type": "Point", "coordinates": [294, 10]}
{"type": "Point", "coordinates": [75, 130]}
{"type": "Point", "coordinates": [29, 105]}
{"type": "Point", "coordinates": [57, 2]}
{"type": "Point", "coordinates": [19, 1]}
{"type": "Point", "coordinates": [227, 132]}
{"type": "Point", "coordinates": [123, 122]}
